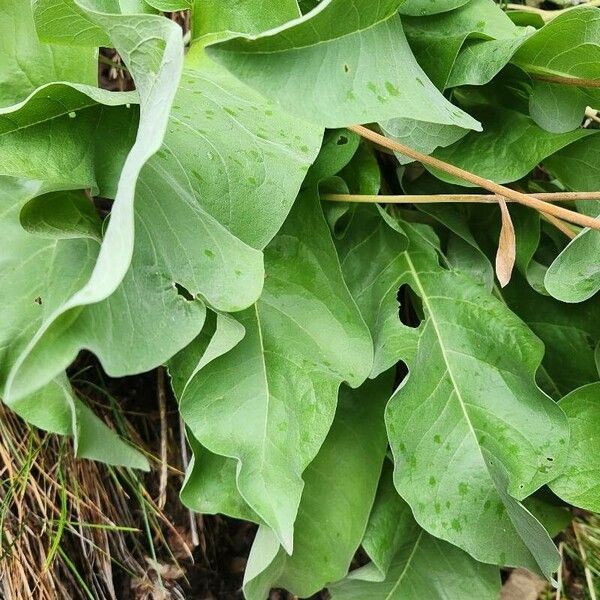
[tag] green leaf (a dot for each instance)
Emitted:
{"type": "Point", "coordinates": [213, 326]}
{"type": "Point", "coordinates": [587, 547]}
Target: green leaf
{"type": "Point", "coordinates": [509, 147]}
{"type": "Point", "coordinates": [436, 40]}
{"type": "Point", "coordinates": [270, 401]}
{"type": "Point", "coordinates": [410, 564]}
{"type": "Point", "coordinates": [419, 8]}
{"type": "Point", "coordinates": [567, 46]}
{"type": "Point", "coordinates": [575, 274]}
{"type": "Point", "coordinates": [69, 135]}
{"type": "Point", "coordinates": [479, 61]}
{"type": "Point", "coordinates": [213, 17]}
{"type": "Point", "coordinates": [421, 136]}
{"type": "Point", "coordinates": [358, 69]}
{"type": "Point", "coordinates": [559, 108]}
{"type": "Point", "coordinates": [171, 5]}
{"type": "Point", "coordinates": [371, 255]}
{"type": "Point", "coordinates": [569, 333]}
{"type": "Point", "coordinates": [553, 517]}
{"type": "Point", "coordinates": [200, 238]}
{"type": "Point", "coordinates": [340, 486]}
{"type": "Point", "coordinates": [37, 274]}
{"type": "Point", "coordinates": [153, 50]}
{"type": "Point", "coordinates": [579, 483]}
{"type": "Point", "coordinates": [488, 435]}
{"type": "Point", "coordinates": [26, 63]}
{"type": "Point", "coordinates": [62, 215]}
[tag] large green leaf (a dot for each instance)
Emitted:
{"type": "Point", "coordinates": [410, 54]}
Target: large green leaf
{"type": "Point", "coordinates": [69, 135]}
{"type": "Point", "coordinates": [153, 50]}
{"type": "Point", "coordinates": [436, 40]}
{"type": "Point", "coordinates": [567, 46]}
{"type": "Point", "coordinates": [37, 273]}
{"type": "Point", "coordinates": [371, 254]}
{"type": "Point", "coordinates": [575, 274]}
{"type": "Point", "coordinates": [214, 17]}
{"type": "Point", "coordinates": [358, 69]}
{"type": "Point", "coordinates": [488, 435]}
{"type": "Point", "coordinates": [474, 398]}
{"type": "Point", "coordinates": [579, 483]}
{"type": "Point", "coordinates": [509, 147]}
{"type": "Point", "coordinates": [340, 486]}
{"type": "Point", "coordinates": [270, 401]}
{"type": "Point", "coordinates": [200, 238]}
{"type": "Point", "coordinates": [26, 63]}
{"type": "Point", "coordinates": [408, 563]}
{"type": "Point", "coordinates": [570, 334]}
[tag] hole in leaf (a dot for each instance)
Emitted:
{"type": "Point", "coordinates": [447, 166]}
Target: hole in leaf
{"type": "Point", "coordinates": [346, 68]}
{"type": "Point", "coordinates": [342, 140]}
{"type": "Point", "coordinates": [411, 308]}
{"type": "Point", "coordinates": [182, 291]}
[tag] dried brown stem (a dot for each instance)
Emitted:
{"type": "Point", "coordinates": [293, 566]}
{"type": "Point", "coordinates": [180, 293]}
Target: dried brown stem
{"type": "Point", "coordinates": [563, 80]}
{"type": "Point", "coordinates": [456, 198]}
{"type": "Point", "coordinates": [527, 200]}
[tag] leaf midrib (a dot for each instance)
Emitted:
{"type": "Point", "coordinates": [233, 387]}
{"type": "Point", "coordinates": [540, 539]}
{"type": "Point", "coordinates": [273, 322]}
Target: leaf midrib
{"type": "Point", "coordinates": [406, 566]}
{"type": "Point", "coordinates": [430, 312]}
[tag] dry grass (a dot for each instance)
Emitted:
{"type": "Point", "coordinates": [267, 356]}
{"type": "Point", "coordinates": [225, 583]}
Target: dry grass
{"type": "Point", "coordinates": [74, 529]}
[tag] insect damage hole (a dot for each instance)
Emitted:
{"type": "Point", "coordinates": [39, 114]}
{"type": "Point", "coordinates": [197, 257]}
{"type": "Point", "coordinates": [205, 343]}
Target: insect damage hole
{"type": "Point", "coordinates": [184, 292]}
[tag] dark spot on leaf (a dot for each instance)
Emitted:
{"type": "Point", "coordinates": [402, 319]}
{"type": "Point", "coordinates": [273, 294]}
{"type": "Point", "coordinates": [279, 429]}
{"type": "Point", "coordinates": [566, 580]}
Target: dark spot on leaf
{"type": "Point", "coordinates": [346, 68]}
{"type": "Point", "coordinates": [392, 89]}
{"type": "Point", "coordinates": [38, 300]}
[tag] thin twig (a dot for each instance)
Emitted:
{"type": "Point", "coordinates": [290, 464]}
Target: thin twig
{"type": "Point", "coordinates": [527, 200]}
{"type": "Point", "coordinates": [458, 198]}
{"type": "Point", "coordinates": [560, 225]}
{"type": "Point", "coordinates": [162, 408]}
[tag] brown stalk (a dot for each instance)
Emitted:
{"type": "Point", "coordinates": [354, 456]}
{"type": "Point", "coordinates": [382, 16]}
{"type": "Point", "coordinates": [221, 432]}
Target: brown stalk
{"type": "Point", "coordinates": [457, 198]}
{"type": "Point", "coordinates": [565, 80]}
{"type": "Point", "coordinates": [500, 190]}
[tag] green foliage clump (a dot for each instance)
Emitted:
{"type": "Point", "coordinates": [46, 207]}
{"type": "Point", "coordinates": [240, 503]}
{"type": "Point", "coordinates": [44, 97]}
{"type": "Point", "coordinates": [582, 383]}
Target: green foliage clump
{"type": "Point", "coordinates": [348, 370]}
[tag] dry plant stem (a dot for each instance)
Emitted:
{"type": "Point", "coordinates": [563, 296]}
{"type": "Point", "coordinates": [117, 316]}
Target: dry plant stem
{"type": "Point", "coordinates": [162, 408]}
{"type": "Point", "coordinates": [527, 200]}
{"type": "Point", "coordinates": [560, 225]}
{"type": "Point", "coordinates": [576, 81]}
{"type": "Point", "coordinates": [458, 198]}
